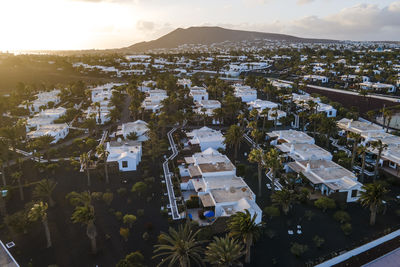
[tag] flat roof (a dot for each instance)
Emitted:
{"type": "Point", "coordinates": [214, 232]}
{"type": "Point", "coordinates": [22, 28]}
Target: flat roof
{"type": "Point", "coordinates": [6, 259]}
{"type": "Point", "coordinates": [391, 259]}
{"type": "Point", "coordinates": [206, 200]}
{"type": "Point", "coordinates": [292, 136]}
{"type": "Point", "coordinates": [359, 127]}
{"type": "Point", "coordinates": [231, 194]}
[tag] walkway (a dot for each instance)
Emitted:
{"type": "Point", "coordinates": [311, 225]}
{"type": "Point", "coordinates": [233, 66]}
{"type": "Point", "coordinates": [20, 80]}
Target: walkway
{"type": "Point", "coordinates": [342, 148]}
{"type": "Point", "coordinates": [168, 177]}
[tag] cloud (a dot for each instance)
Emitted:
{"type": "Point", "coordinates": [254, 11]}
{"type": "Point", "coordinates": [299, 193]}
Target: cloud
{"type": "Point", "coordinates": [359, 22]}
{"type": "Point", "coordinates": [143, 25]}
{"type": "Point", "coordinates": [303, 2]}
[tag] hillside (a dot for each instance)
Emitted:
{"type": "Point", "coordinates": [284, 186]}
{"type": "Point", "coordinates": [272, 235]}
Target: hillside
{"type": "Point", "coordinates": [209, 35]}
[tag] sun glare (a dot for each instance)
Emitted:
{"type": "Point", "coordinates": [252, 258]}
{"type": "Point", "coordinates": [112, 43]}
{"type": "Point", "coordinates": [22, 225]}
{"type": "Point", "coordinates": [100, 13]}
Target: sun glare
{"type": "Point", "coordinates": [57, 24]}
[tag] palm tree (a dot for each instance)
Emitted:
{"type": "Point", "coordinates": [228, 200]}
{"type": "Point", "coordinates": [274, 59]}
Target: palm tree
{"type": "Point", "coordinates": [329, 128]}
{"type": "Point", "coordinates": [98, 107]}
{"type": "Point", "coordinates": [85, 163]}
{"type": "Point", "coordinates": [179, 247]}
{"type": "Point", "coordinates": [284, 198]}
{"type": "Point", "coordinates": [243, 226]}
{"type": "Point", "coordinates": [39, 212]}
{"type": "Point", "coordinates": [103, 155]}
{"type": "Point", "coordinates": [84, 214]}
{"type": "Point", "coordinates": [380, 147]}
{"type": "Point", "coordinates": [273, 161]}
{"type": "Point", "coordinates": [257, 156]}
{"type": "Point", "coordinates": [388, 114]}
{"type": "Point", "coordinates": [16, 176]}
{"type": "Point", "coordinates": [362, 150]}
{"type": "Point", "coordinates": [264, 114]}
{"type": "Point", "coordinates": [356, 139]}
{"type": "Point", "coordinates": [11, 135]}
{"type": "Point", "coordinates": [233, 137]}
{"type": "Point", "coordinates": [44, 189]}
{"type": "Point", "coordinates": [224, 251]}
{"type": "Point", "coordinates": [372, 196]}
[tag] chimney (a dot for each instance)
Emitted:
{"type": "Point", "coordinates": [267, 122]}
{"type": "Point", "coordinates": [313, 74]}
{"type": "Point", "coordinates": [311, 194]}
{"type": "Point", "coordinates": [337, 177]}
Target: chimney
{"type": "Point", "coordinates": [308, 168]}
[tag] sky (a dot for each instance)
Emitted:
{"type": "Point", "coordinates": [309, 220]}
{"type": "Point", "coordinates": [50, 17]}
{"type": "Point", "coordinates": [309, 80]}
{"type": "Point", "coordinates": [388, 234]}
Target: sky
{"type": "Point", "coordinates": [99, 24]}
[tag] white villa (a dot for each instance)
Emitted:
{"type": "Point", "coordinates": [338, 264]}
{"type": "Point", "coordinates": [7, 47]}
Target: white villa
{"type": "Point", "coordinates": [280, 85]}
{"type": "Point", "coordinates": [45, 117]}
{"type": "Point", "coordinates": [359, 127]}
{"type": "Point", "coordinates": [207, 107]}
{"type": "Point", "coordinates": [58, 131]}
{"type": "Point", "coordinates": [139, 127]}
{"type": "Point", "coordinates": [390, 88]}
{"type": "Point", "coordinates": [329, 178]}
{"type": "Point", "coordinates": [244, 92]}
{"type": "Point", "coordinates": [315, 78]}
{"type": "Point", "coordinates": [290, 136]}
{"type": "Point", "coordinates": [146, 86]}
{"type": "Point", "coordinates": [206, 138]}
{"type": "Point", "coordinates": [43, 99]}
{"type": "Point", "coordinates": [198, 93]}
{"type": "Point", "coordinates": [184, 82]}
{"type": "Point", "coordinates": [153, 100]}
{"type": "Point", "coordinates": [126, 153]}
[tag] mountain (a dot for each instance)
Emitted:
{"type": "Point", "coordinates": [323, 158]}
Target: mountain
{"type": "Point", "coordinates": [210, 35]}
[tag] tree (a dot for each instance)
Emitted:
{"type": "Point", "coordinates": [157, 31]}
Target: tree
{"type": "Point", "coordinates": [44, 189]}
{"type": "Point", "coordinates": [284, 198]}
{"type": "Point", "coordinates": [44, 142]}
{"type": "Point", "coordinates": [372, 196]}
{"type": "Point", "coordinates": [129, 219]}
{"type": "Point", "coordinates": [39, 212]}
{"type": "Point", "coordinates": [139, 188]}
{"type": "Point", "coordinates": [388, 114]}
{"type": "Point", "coordinates": [328, 127]}
{"type": "Point", "coordinates": [273, 161]}
{"type": "Point", "coordinates": [298, 249]}
{"type": "Point", "coordinates": [179, 247]}
{"type": "Point", "coordinates": [85, 164]}
{"type": "Point", "coordinates": [103, 153]}
{"type": "Point", "coordinates": [264, 114]}
{"type": "Point", "coordinates": [108, 198]}
{"type": "Point", "coordinates": [325, 203]}
{"type": "Point", "coordinates": [224, 251]}
{"type": "Point", "coordinates": [133, 259]}
{"type": "Point", "coordinates": [378, 145]}
{"type": "Point", "coordinates": [16, 176]}
{"type": "Point", "coordinates": [356, 139]}
{"type": "Point", "coordinates": [362, 150]}
{"type": "Point", "coordinates": [124, 232]}
{"type": "Point", "coordinates": [342, 216]}
{"type": "Point", "coordinates": [257, 156]}
{"type": "Point", "coordinates": [233, 138]}
{"type": "Point", "coordinates": [84, 213]}
{"type": "Point", "coordinates": [243, 226]}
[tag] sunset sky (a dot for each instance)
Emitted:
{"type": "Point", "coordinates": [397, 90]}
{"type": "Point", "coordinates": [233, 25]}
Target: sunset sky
{"type": "Point", "coordinates": [86, 24]}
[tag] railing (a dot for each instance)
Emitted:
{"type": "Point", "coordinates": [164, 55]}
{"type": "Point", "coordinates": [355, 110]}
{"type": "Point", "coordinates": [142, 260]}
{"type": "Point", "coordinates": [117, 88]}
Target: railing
{"type": "Point", "coordinates": [168, 175]}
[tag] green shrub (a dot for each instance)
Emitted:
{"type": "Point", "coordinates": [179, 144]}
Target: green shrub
{"type": "Point", "coordinates": [146, 236]}
{"type": "Point", "coordinates": [342, 216]}
{"type": "Point", "coordinates": [118, 215]}
{"type": "Point", "coordinates": [193, 202]}
{"type": "Point", "coordinates": [140, 212]}
{"type": "Point", "coordinates": [272, 211]}
{"type": "Point", "coordinates": [318, 241]}
{"type": "Point", "coordinates": [122, 191]}
{"type": "Point", "coordinates": [309, 214]}
{"type": "Point", "coordinates": [129, 219]}
{"type": "Point", "coordinates": [346, 228]}
{"type": "Point", "coordinates": [298, 249]}
{"type": "Point", "coordinates": [325, 203]}
{"type": "Point", "coordinates": [108, 198]}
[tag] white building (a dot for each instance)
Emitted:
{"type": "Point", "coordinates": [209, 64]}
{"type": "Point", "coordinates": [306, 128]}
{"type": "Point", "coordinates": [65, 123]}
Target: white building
{"type": "Point", "coordinates": [207, 107]}
{"type": "Point", "coordinates": [327, 109]}
{"type": "Point", "coordinates": [244, 92]}
{"type": "Point", "coordinates": [146, 86]}
{"type": "Point", "coordinates": [43, 99]}
{"type": "Point", "coordinates": [329, 178]}
{"type": "Point", "coordinates": [316, 78]}
{"type": "Point", "coordinates": [187, 83]}
{"type": "Point", "coordinates": [198, 93]}
{"type": "Point", "coordinates": [45, 117]}
{"type": "Point", "coordinates": [359, 127]}
{"type": "Point", "coordinates": [279, 84]}
{"type": "Point", "coordinates": [58, 131]}
{"type": "Point", "coordinates": [153, 100]}
{"type": "Point", "coordinates": [206, 138]}
{"type": "Point", "coordinates": [138, 127]}
{"type": "Point", "coordinates": [290, 136]}
{"type": "Point", "coordinates": [126, 153]}
{"type": "Point", "coordinates": [390, 88]}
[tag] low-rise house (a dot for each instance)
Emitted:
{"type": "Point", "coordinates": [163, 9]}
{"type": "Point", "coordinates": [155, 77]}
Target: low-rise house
{"type": "Point", "coordinates": [299, 152]}
{"type": "Point", "coordinates": [198, 93]}
{"type": "Point", "coordinates": [290, 136]}
{"type": "Point", "coordinates": [280, 85]}
{"type": "Point", "coordinates": [206, 138]}
{"type": "Point", "coordinates": [245, 93]}
{"type": "Point", "coordinates": [327, 109]}
{"type": "Point", "coordinates": [126, 153]}
{"type": "Point", "coordinates": [207, 107]}
{"type": "Point", "coordinates": [187, 83]}
{"type": "Point", "coordinates": [390, 88]}
{"type": "Point", "coordinates": [316, 78]}
{"type": "Point", "coordinates": [359, 127]}
{"type": "Point", "coordinates": [45, 117]}
{"type": "Point", "coordinates": [329, 178]}
{"type": "Point", "coordinates": [153, 100]}
{"type": "Point", "coordinates": [146, 86]}
{"type": "Point", "coordinates": [58, 131]}
{"type": "Point", "coordinates": [43, 99]}
{"type": "Point", "coordinates": [138, 127]}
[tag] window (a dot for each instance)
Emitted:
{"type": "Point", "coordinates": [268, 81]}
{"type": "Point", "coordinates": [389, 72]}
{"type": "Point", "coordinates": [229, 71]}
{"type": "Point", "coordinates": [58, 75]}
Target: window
{"type": "Point", "coordinates": [124, 164]}
{"type": "Point", "coordinates": [392, 165]}
{"type": "Point", "coordinates": [354, 193]}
